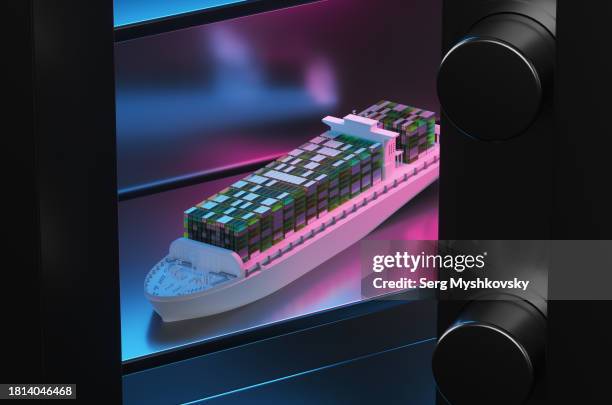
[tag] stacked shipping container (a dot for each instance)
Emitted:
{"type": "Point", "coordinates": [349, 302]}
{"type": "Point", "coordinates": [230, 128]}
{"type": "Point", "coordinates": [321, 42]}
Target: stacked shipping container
{"type": "Point", "coordinates": [262, 209]}
{"type": "Point", "coordinates": [417, 128]}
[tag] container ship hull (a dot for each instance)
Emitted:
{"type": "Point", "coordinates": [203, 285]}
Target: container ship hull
{"type": "Point", "coordinates": [293, 257]}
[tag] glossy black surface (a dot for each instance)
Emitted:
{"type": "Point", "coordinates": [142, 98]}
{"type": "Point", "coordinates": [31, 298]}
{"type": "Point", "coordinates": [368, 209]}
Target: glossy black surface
{"type": "Point", "coordinates": [21, 351]}
{"type": "Point", "coordinates": [75, 171]}
{"type": "Point", "coordinates": [355, 334]}
{"type": "Point", "coordinates": [491, 353]}
{"type": "Point", "coordinates": [494, 190]}
{"type": "Point", "coordinates": [497, 337]}
{"type": "Point", "coordinates": [497, 190]}
{"type": "Point", "coordinates": [573, 172]}
{"type": "Point", "coordinates": [492, 82]}
{"type": "Point", "coordinates": [579, 353]}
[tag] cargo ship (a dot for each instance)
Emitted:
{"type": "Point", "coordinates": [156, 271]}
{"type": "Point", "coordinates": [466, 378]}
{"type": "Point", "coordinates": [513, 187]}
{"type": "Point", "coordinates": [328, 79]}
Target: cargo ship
{"type": "Point", "coordinates": [280, 222]}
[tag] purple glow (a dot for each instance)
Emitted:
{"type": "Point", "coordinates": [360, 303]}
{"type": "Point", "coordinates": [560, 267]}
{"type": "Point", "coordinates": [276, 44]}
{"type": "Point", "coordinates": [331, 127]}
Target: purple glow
{"type": "Point", "coordinates": [194, 99]}
{"type": "Point", "coordinates": [321, 82]}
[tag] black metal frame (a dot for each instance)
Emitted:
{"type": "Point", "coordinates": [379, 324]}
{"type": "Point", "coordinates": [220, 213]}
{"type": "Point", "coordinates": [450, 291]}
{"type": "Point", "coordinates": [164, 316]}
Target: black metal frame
{"type": "Point", "coordinates": [22, 351]}
{"type": "Point", "coordinates": [72, 118]}
{"type": "Point", "coordinates": [573, 201]}
{"type": "Point", "coordinates": [579, 333]}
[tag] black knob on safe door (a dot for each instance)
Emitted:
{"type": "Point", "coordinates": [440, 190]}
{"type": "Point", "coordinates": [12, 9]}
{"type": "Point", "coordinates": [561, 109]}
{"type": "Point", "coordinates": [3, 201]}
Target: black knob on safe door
{"type": "Point", "coordinates": [492, 83]}
{"type": "Point", "coordinates": [491, 354]}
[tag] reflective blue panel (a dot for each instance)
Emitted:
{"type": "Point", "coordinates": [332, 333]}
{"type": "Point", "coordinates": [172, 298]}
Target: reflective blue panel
{"type": "Point", "coordinates": [135, 11]}
{"type": "Point", "coordinates": [255, 87]}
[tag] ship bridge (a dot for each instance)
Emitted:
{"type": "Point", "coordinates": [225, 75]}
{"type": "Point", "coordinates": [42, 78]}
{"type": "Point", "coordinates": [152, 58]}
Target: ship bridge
{"type": "Point", "coordinates": [368, 129]}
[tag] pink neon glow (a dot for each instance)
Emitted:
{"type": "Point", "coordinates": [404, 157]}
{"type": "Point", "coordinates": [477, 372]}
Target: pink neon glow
{"type": "Point", "coordinates": [321, 82]}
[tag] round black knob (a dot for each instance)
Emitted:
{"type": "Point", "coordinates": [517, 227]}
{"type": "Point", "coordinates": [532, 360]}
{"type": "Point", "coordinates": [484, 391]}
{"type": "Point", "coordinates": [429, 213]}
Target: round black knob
{"type": "Point", "coordinates": [490, 355]}
{"type": "Point", "coordinates": [491, 84]}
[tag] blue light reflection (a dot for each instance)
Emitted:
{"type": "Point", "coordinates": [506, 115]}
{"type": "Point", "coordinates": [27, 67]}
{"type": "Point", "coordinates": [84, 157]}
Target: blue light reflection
{"type": "Point", "coordinates": [135, 11]}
